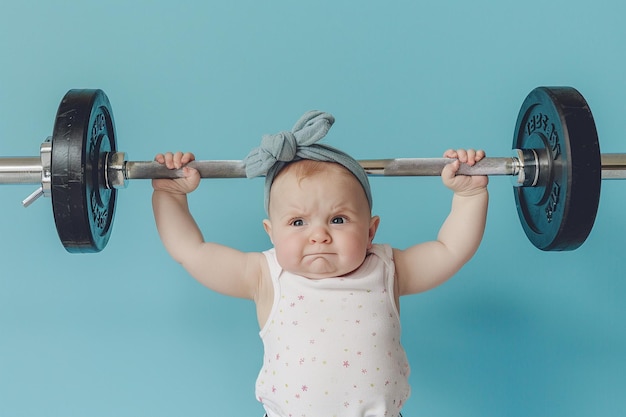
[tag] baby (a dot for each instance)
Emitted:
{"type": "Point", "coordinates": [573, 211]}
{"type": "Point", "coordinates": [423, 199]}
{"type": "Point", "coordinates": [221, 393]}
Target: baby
{"type": "Point", "coordinates": [327, 296]}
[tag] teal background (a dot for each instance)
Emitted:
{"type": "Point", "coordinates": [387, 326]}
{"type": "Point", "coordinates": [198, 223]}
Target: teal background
{"type": "Point", "coordinates": [518, 332]}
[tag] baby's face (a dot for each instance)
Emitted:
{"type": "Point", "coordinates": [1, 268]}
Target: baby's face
{"type": "Point", "coordinates": [321, 224]}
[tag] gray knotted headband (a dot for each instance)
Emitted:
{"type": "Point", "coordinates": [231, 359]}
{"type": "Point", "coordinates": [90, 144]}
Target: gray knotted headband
{"type": "Point", "coordinates": [277, 150]}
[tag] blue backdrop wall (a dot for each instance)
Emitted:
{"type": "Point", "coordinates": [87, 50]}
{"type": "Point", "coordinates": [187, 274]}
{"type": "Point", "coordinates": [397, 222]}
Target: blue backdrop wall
{"type": "Point", "coordinates": [518, 332]}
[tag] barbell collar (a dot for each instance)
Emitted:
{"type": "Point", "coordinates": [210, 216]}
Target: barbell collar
{"type": "Point", "coordinates": [528, 168]}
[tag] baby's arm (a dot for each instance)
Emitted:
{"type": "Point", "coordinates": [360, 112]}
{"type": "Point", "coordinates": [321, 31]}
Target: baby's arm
{"type": "Point", "coordinates": [429, 264]}
{"type": "Point", "coordinates": [220, 268]}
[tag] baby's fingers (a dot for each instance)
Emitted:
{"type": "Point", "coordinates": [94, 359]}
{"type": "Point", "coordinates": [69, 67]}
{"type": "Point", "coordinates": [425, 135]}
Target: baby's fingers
{"type": "Point", "coordinates": [450, 153]}
{"type": "Point", "coordinates": [465, 156]}
{"type": "Point", "coordinates": [186, 158]}
{"type": "Point", "coordinates": [474, 156]}
{"type": "Point", "coordinates": [174, 160]}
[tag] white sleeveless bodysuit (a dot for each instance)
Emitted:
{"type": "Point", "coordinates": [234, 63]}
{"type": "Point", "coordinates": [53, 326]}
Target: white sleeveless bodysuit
{"type": "Point", "coordinates": [332, 346]}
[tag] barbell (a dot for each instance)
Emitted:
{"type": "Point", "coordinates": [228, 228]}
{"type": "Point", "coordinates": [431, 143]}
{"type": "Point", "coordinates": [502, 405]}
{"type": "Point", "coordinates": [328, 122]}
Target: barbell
{"type": "Point", "coordinates": [556, 168]}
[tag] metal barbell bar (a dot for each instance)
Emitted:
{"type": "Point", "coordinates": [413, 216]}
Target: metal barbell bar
{"type": "Point", "coordinates": [30, 170]}
{"type": "Point", "coordinates": [613, 167]}
{"type": "Point", "coordinates": [556, 165]}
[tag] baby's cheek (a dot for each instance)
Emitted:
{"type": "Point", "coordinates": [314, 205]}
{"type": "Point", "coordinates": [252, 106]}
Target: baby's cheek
{"type": "Point", "coordinates": [286, 256]}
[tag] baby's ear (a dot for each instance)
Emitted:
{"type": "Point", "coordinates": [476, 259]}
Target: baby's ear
{"type": "Point", "coordinates": [374, 222]}
{"type": "Point", "coordinates": [267, 225]}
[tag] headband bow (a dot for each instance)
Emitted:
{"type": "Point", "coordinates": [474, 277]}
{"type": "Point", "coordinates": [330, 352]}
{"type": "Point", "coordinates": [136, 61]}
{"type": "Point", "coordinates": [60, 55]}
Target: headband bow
{"type": "Point", "coordinates": [277, 150]}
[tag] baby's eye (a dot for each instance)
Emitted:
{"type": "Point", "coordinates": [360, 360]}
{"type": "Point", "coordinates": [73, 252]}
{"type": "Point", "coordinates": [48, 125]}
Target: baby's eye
{"type": "Point", "coordinates": [338, 220]}
{"type": "Point", "coordinates": [297, 222]}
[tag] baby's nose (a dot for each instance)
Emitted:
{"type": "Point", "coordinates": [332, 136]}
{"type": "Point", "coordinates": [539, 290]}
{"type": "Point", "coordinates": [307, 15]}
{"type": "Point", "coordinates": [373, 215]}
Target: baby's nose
{"type": "Point", "coordinates": [320, 234]}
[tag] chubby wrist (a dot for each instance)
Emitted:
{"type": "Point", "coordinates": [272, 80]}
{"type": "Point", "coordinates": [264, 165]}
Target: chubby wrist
{"type": "Point", "coordinates": [472, 193]}
{"type": "Point", "coordinates": [169, 192]}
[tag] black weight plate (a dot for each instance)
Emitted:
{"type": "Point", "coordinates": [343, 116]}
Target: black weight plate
{"type": "Point", "coordinates": [83, 206]}
{"type": "Point", "coordinates": [558, 213]}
